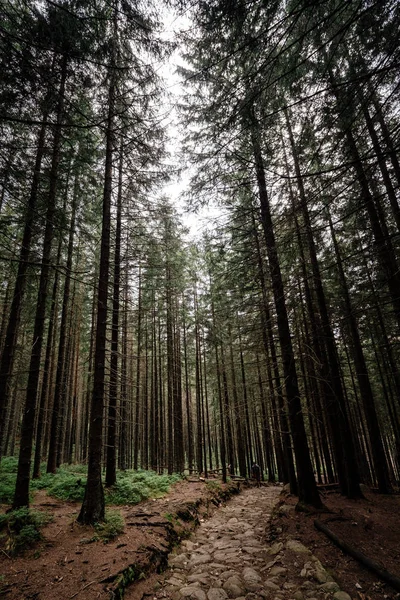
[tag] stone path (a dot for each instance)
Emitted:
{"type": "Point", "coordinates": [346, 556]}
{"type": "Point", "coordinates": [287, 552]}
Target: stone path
{"type": "Point", "coordinates": [228, 557]}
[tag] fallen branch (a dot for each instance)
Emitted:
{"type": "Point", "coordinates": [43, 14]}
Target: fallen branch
{"type": "Point", "coordinates": [364, 560]}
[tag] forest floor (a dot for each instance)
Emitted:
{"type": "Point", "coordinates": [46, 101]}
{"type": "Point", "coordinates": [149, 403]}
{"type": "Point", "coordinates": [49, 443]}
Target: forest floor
{"type": "Point", "coordinates": [257, 542]}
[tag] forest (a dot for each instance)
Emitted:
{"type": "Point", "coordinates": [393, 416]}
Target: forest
{"type": "Point", "coordinates": [272, 334]}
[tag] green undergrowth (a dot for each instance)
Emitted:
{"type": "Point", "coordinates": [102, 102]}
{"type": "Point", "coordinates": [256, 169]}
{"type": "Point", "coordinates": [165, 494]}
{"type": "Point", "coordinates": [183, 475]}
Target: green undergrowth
{"type": "Point", "coordinates": [112, 526]}
{"type": "Point", "coordinates": [134, 486]}
{"type": "Point", "coordinates": [20, 529]}
{"type": "Point", "coordinates": [69, 483]}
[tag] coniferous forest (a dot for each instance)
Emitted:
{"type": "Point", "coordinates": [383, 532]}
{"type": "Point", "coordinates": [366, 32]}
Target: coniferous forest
{"type": "Point", "coordinates": [272, 334]}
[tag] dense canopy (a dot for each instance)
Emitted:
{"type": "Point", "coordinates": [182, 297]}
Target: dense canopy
{"type": "Point", "coordinates": [273, 334]}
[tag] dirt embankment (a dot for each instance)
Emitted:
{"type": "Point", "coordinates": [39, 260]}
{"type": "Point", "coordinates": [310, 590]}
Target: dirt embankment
{"type": "Point", "coordinates": [72, 563]}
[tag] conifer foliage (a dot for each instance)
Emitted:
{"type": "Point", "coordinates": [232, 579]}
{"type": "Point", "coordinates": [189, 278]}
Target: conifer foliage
{"type": "Point", "coordinates": [270, 337]}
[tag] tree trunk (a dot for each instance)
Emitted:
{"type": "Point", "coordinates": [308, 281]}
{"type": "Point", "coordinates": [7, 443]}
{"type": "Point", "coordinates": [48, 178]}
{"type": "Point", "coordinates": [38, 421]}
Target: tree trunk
{"type": "Point", "coordinates": [307, 488]}
{"type": "Point", "coordinates": [21, 495]}
{"type": "Point", "coordinates": [111, 466]}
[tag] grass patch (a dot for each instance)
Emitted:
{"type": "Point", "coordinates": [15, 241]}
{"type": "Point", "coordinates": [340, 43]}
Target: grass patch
{"type": "Point", "coordinates": [113, 525]}
{"type": "Point", "coordinates": [69, 484]}
{"type": "Point", "coordinates": [214, 486]}
{"type": "Point", "coordinates": [134, 486]}
{"type": "Point", "coordinates": [20, 529]}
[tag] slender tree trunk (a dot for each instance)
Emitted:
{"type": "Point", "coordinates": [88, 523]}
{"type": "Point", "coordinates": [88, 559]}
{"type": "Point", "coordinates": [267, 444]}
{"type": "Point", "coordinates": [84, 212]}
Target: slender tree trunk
{"type": "Point", "coordinates": [111, 464]}
{"type": "Point", "coordinates": [93, 506]}
{"type": "Point", "coordinates": [375, 436]}
{"type": "Point", "coordinates": [21, 495]}
{"type": "Point", "coordinates": [343, 434]}
{"type": "Point", "coordinates": [55, 432]}
{"type": "Point", "coordinates": [8, 354]}
{"type": "Point", "coordinates": [307, 489]}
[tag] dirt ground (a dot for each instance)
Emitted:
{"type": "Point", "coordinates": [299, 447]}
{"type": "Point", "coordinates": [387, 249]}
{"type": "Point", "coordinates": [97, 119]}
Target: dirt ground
{"type": "Point", "coordinates": [68, 564]}
{"type": "Point", "coordinates": [372, 526]}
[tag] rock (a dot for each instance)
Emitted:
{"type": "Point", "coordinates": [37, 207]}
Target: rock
{"type": "Point", "coordinates": [297, 547]}
{"type": "Point", "coordinates": [251, 549]}
{"type": "Point", "coordinates": [329, 586]}
{"type": "Point", "coordinates": [198, 577]}
{"type": "Point", "coordinates": [286, 509]}
{"type": "Point", "coordinates": [226, 543]}
{"type": "Point", "coordinates": [341, 596]}
{"type": "Point", "coordinates": [216, 594]}
{"type": "Point", "coordinates": [192, 591]}
{"type": "Point", "coordinates": [252, 586]}
{"type": "Point", "coordinates": [199, 559]}
{"type": "Point", "coordinates": [250, 574]}
{"type": "Point", "coordinates": [275, 548]}
{"type": "Point", "coordinates": [226, 574]}
{"type": "Point", "coordinates": [271, 585]}
{"type": "Point", "coordinates": [320, 574]}
{"type": "Point", "coordinates": [179, 561]}
{"type": "Point", "coordinates": [234, 587]}
{"type": "Point", "coordinates": [298, 595]}
{"type": "Point", "coordinates": [175, 581]}
{"type": "Point", "coordinates": [222, 555]}
{"type": "Point", "coordinates": [278, 571]}
{"type": "Point", "coordinates": [189, 545]}
{"type": "Point", "coordinates": [307, 585]}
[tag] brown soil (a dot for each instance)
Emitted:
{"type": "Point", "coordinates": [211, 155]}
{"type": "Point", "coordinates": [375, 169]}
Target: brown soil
{"type": "Point", "coordinates": [69, 565]}
{"type": "Point", "coordinates": [371, 526]}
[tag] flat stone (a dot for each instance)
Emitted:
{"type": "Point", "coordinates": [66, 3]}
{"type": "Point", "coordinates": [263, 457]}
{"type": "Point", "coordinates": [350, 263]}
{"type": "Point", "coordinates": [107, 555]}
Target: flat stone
{"type": "Point", "coordinates": [251, 549]}
{"type": "Point", "coordinates": [193, 592]}
{"type": "Point", "coordinates": [307, 585]}
{"type": "Point", "coordinates": [216, 594]}
{"type": "Point", "coordinates": [271, 585]}
{"type": "Point", "coordinates": [297, 547]}
{"type": "Point", "coordinates": [180, 560]}
{"type": "Point", "coordinates": [226, 574]}
{"type": "Point", "coordinates": [280, 571]}
{"type": "Point", "coordinates": [329, 586]}
{"type": "Point", "coordinates": [174, 581]}
{"type": "Point", "coordinates": [320, 574]}
{"type": "Point", "coordinates": [226, 543]}
{"type": "Point", "coordinates": [189, 545]}
{"type": "Point", "coordinates": [341, 596]}
{"type": "Point", "coordinates": [250, 574]}
{"type": "Point", "coordinates": [199, 559]}
{"type": "Point", "coordinates": [251, 541]}
{"type": "Point", "coordinates": [252, 586]}
{"type": "Point", "coordinates": [198, 577]}
{"type": "Point", "coordinates": [234, 587]}
{"type": "Point", "coordinates": [232, 560]}
{"type": "Point", "coordinates": [275, 548]}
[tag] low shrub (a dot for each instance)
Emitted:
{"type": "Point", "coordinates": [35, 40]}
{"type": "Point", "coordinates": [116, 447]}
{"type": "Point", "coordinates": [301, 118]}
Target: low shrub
{"type": "Point", "coordinates": [20, 529]}
{"type": "Point", "coordinates": [113, 525]}
{"type": "Point", "coordinates": [134, 486]}
{"type": "Point", "coordinates": [67, 486]}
